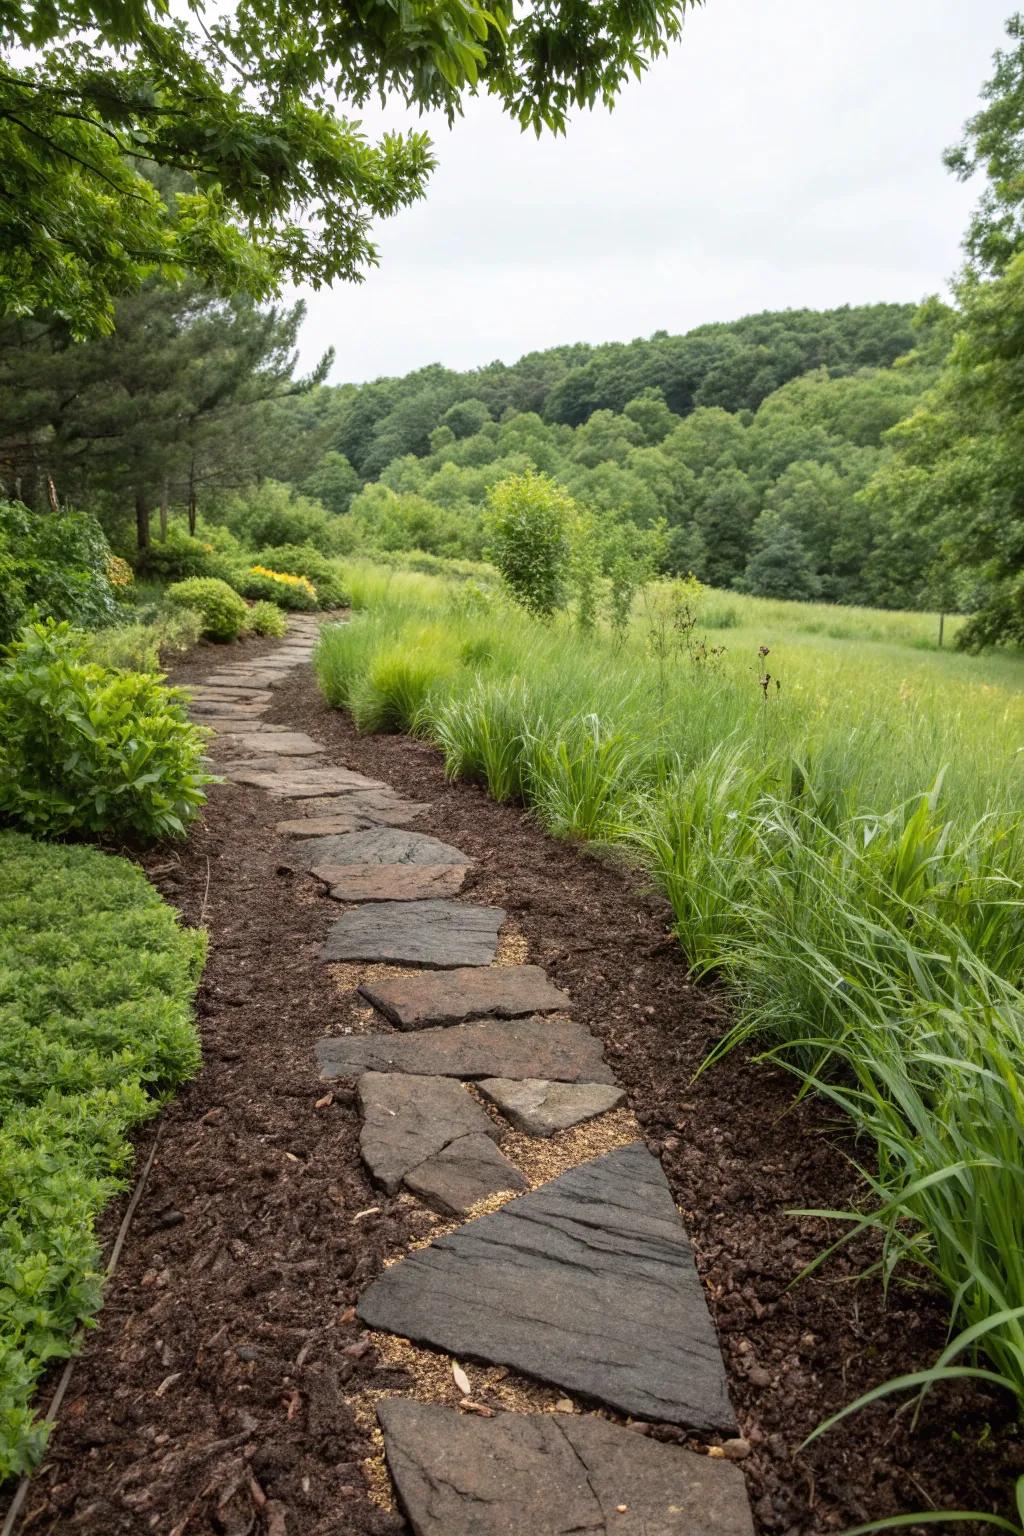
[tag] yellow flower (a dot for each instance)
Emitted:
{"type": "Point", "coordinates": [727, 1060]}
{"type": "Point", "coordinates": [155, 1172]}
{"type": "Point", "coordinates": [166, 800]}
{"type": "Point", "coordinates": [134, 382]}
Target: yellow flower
{"type": "Point", "coordinates": [119, 572]}
{"type": "Point", "coordinates": [285, 578]}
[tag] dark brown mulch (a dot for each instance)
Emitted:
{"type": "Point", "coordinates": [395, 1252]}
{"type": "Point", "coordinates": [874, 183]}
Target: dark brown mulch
{"type": "Point", "coordinates": [217, 1392]}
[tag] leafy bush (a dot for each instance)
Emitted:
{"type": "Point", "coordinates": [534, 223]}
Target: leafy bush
{"type": "Point", "coordinates": [223, 612]}
{"type": "Point", "coordinates": [54, 565]}
{"type": "Point", "coordinates": [96, 982]}
{"type": "Point", "coordinates": [528, 519]}
{"type": "Point", "coordinates": [274, 515]}
{"type": "Point", "coordinates": [297, 594]}
{"type": "Point", "coordinates": [179, 556]}
{"type": "Point", "coordinates": [304, 560]}
{"type": "Point", "coordinates": [87, 749]}
{"type": "Point", "coordinates": [142, 647]}
{"type": "Point", "coordinates": [267, 619]}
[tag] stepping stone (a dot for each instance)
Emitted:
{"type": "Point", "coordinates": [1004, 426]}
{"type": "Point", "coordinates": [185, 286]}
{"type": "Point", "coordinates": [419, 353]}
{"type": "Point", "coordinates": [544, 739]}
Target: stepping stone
{"type": "Point", "coordinates": [407, 1120]}
{"type": "Point", "coordinates": [502, 992]}
{"type": "Point", "coordinates": [285, 744]}
{"type": "Point", "coordinates": [540, 1107]}
{"type": "Point", "coordinates": [390, 882]}
{"type": "Point", "coordinates": [242, 714]}
{"type": "Point", "coordinates": [289, 782]}
{"type": "Point", "coordinates": [321, 826]}
{"type": "Point", "coordinates": [588, 1283]}
{"type": "Point", "coordinates": [231, 693]}
{"type": "Point", "coordinates": [382, 808]}
{"type": "Point", "coordinates": [382, 845]}
{"type": "Point", "coordinates": [431, 933]}
{"type": "Point", "coordinates": [552, 1474]}
{"type": "Point", "coordinates": [464, 1173]}
{"type": "Point", "coordinates": [563, 1049]}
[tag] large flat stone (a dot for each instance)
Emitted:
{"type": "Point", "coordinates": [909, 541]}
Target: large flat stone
{"type": "Point", "coordinates": [379, 807]}
{"type": "Point", "coordinates": [464, 1173]}
{"type": "Point", "coordinates": [501, 992]}
{"type": "Point", "coordinates": [552, 1475]}
{"type": "Point", "coordinates": [321, 826]}
{"type": "Point", "coordinates": [587, 1282]}
{"type": "Point", "coordinates": [289, 782]}
{"type": "Point", "coordinates": [563, 1049]}
{"type": "Point", "coordinates": [407, 1120]}
{"type": "Point", "coordinates": [390, 882]}
{"type": "Point", "coordinates": [283, 744]}
{"type": "Point", "coordinates": [383, 845]}
{"type": "Point", "coordinates": [431, 933]}
{"type": "Point", "coordinates": [540, 1107]}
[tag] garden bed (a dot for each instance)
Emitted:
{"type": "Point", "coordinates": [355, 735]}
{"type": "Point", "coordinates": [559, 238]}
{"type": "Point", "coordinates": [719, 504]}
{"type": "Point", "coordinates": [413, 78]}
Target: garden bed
{"type": "Point", "coordinates": [222, 1390]}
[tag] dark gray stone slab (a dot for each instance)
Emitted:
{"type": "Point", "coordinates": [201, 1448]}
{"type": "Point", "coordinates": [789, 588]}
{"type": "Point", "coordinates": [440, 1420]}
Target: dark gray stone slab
{"type": "Point", "coordinates": [587, 1282]}
{"type": "Point", "coordinates": [500, 992]}
{"type": "Point", "coordinates": [464, 1173]}
{"type": "Point", "coordinates": [432, 933]}
{"type": "Point", "coordinates": [390, 882]}
{"type": "Point", "coordinates": [564, 1050]}
{"type": "Point", "coordinates": [552, 1475]}
{"type": "Point", "coordinates": [540, 1107]}
{"type": "Point", "coordinates": [382, 845]}
{"type": "Point", "coordinates": [407, 1120]}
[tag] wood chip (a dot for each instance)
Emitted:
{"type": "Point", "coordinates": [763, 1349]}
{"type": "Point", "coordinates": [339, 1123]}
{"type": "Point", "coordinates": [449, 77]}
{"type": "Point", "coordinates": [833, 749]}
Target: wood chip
{"type": "Point", "coordinates": [461, 1380]}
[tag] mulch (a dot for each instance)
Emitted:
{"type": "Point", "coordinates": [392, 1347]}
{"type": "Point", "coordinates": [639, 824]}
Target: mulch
{"type": "Point", "coordinates": [218, 1392]}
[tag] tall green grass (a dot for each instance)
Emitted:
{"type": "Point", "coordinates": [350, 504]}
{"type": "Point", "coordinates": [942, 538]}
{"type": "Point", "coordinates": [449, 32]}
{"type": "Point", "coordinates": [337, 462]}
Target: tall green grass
{"type": "Point", "coordinates": [846, 851]}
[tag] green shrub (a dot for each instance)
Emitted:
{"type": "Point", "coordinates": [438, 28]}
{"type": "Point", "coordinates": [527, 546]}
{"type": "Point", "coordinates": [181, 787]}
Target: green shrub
{"type": "Point", "coordinates": [179, 555]}
{"type": "Point", "coordinates": [304, 560]}
{"type": "Point", "coordinates": [53, 565]}
{"type": "Point", "coordinates": [87, 749]}
{"type": "Point", "coordinates": [267, 619]}
{"type": "Point", "coordinates": [395, 687]}
{"type": "Point", "coordinates": [223, 612]}
{"type": "Point", "coordinates": [296, 594]}
{"type": "Point", "coordinates": [274, 515]}
{"type": "Point", "coordinates": [528, 521]}
{"type": "Point", "coordinates": [141, 647]}
{"type": "Point", "coordinates": [96, 982]}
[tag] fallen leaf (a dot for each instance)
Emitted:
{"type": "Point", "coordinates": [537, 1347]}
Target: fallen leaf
{"type": "Point", "coordinates": [328, 1098]}
{"type": "Point", "coordinates": [461, 1380]}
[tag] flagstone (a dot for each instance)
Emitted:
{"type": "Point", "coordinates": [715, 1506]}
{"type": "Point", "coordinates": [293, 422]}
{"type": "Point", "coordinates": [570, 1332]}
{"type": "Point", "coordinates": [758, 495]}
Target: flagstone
{"type": "Point", "coordinates": [428, 933]}
{"type": "Point", "coordinates": [563, 1050]}
{"type": "Point", "coordinates": [501, 991]}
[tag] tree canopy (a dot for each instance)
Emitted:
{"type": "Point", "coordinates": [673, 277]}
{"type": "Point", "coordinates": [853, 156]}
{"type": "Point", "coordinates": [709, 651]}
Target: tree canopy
{"type": "Point", "coordinates": [239, 101]}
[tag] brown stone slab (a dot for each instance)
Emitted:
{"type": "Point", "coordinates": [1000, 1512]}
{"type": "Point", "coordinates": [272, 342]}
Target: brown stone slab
{"type": "Point", "coordinates": [390, 882]}
{"type": "Point", "coordinates": [407, 1120]}
{"type": "Point", "coordinates": [383, 845]}
{"type": "Point", "coordinates": [289, 782]}
{"type": "Point", "coordinates": [321, 826]}
{"type": "Point", "coordinates": [587, 1283]}
{"type": "Point", "coordinates": [438, 934]}
{"type": "Point", "coordinates": [540, 1107]}
{"type": "Point", "coordinates": [563, 1050]}
{"type": "Point", "coordinates": [463, 1174]}
{"type": "Point", "coordinates": [552, 1474]}
{"type": "Point", "coordinates": [284, 743]}
{"type": "Point", "coordinates": [448, 997]}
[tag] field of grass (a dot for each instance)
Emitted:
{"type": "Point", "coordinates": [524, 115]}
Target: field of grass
{"type": "Point", "coordinates": [837, 822]}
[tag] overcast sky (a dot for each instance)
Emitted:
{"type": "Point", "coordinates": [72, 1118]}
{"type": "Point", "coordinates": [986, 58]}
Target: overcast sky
{"type": "Point", "coordinates": [786, 153]}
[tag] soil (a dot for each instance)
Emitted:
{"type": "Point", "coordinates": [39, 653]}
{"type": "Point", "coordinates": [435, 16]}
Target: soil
{"type": "Point", "coordinates": [228, 1387]}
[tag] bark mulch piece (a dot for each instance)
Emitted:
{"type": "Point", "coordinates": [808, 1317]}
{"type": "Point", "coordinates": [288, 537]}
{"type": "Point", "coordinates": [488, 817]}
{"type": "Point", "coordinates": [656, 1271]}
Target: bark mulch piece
{"type": "Point", "coordinates": [221, 1391]}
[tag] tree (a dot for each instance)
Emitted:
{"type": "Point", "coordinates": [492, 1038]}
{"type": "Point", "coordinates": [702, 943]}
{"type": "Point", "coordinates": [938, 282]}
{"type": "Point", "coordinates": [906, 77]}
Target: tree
{"type": "Point", "coordinates": [780, 565]}
{"type": "Point", "coordinates": [334, 483]}
{"type": "Point", "coordinates": [529, 523]}
{"type": "Point", "coordinates": [993, 143]}
{"type": "Point", "coordinates": [235, 98]}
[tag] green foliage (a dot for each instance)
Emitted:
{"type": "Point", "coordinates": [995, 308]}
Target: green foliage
{"type": "Point", "coordinates": [267, 619]}
{"type": "Point", "coordinates": [87, 749]}
{"type": "Point", "coordinates": [144, 646]}
{"type": "Point", "coordinates": [178, 556]}
{"type": "Point", "coordinates": [52, 565]}
{"type": "Point", "coordinates": [304, 560]}
{"type": "Point", "coordinates": [528, 522]}
{"type": "Point", "coordinates": [296, 594]}
{"type": "Point", "coordinates": [779, 565]}
{"type": "Point", "coordinates": [96, 982]}
{"type": "Point", "coordinates": [223, 612]}
{"type": "Point", "coordinates": [274, 516]}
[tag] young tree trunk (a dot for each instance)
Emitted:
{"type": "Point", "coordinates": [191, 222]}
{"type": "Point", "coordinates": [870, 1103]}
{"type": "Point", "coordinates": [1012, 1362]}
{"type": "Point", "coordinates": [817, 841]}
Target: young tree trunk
{"type": "Point", "coordinates": [142, 526]}
{"type": "Point", "coordinates": [192, 497]}
{"type": "Point", "coordinates": [163, 510]}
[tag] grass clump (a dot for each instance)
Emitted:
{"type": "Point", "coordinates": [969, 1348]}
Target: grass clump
{"type": "Point", "coordinates": [223, 612]}
{"type": "Point", "coordinates": [96, 984]}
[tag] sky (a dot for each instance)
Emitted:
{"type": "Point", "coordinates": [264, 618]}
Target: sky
{"type": "Point", "coordinates": [786, 153]}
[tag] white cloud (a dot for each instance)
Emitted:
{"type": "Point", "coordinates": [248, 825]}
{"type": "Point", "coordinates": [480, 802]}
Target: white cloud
{"type": "Point", "coordinates": [787, 153]}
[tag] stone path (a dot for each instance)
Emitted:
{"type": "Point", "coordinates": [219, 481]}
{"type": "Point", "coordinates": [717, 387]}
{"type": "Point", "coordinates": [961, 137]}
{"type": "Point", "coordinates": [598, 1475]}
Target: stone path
{"type": "Point", "coordinates": [585, 1281]}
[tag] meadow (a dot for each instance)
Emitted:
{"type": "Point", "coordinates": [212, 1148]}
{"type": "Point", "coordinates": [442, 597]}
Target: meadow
{"type": "Point", "coordinates": [832, 807]}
